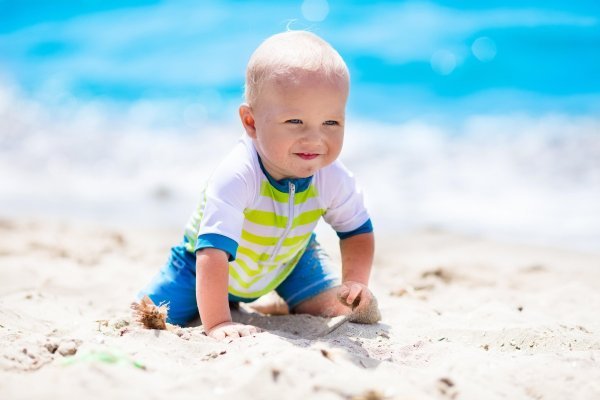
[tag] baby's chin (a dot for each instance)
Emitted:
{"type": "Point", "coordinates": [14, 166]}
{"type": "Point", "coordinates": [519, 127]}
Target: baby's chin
{"type": "Point", "coordinates": [305, 173]}
{"type": "Point", "coordinates": [307, 169]}
{"type": "Point", "coordinates": [299, 176]}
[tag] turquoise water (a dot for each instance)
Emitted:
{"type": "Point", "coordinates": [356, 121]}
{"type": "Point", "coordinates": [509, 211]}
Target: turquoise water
{"type": "Point", "coordinates": [411, 59]}
{"type": "Point", "coordinates": [477, 117]}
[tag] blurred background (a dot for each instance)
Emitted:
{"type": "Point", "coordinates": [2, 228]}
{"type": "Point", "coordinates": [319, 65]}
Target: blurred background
{"type": "Point", "coordinates": [475, 117]}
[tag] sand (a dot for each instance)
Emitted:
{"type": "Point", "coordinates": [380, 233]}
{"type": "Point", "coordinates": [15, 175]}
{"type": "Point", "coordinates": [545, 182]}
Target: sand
{"type": "Point", "coordinates": [463, 318]}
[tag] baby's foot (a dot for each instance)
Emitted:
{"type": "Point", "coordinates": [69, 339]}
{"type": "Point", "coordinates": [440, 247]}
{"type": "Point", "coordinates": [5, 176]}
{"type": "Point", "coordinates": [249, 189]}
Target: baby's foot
{"type": "Point", "coordinates": [270, 304]}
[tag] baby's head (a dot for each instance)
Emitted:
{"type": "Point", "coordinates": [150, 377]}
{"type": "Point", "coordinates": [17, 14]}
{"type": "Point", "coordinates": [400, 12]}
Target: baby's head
{"type": "Point", "coordinates": [286, 55]}
{"type": "Point", "coordinates": [296, 91]}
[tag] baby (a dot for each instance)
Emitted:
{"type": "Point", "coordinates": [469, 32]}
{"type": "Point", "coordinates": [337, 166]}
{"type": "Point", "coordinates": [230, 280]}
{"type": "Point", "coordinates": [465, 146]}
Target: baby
{"type": "Point", "coordinates": [252, 232]}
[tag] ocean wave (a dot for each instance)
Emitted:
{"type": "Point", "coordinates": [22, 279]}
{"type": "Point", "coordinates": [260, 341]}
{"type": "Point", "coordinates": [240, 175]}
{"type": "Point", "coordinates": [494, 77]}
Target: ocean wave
{"type": "Point", "coordinates": [519, 177]}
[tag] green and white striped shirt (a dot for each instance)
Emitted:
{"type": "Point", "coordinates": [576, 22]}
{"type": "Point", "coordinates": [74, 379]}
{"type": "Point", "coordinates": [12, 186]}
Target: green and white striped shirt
{"type": "Point", "coordinates": [265, 225]}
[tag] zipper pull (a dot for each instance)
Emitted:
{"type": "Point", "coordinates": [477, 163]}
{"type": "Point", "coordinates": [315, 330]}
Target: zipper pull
{"type": "Point", "coordinates": [292, 188]}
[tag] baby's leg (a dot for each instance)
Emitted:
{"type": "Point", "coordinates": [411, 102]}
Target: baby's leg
{"type": "Point", "coordinates": [325, 304]}
{"type": "Point", "coordinates": [270, 304]}
{"type": "Point", "coordinates": [312, 286]}
{"type": "Point", "coordinates": [175, 286]}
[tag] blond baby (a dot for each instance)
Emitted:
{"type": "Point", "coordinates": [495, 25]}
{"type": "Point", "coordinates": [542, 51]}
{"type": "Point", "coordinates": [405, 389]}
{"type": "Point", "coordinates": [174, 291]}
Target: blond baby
{"type": "Point", "coordinates": [253, 231]}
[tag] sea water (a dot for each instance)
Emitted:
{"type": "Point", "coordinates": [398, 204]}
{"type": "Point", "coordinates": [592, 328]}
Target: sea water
{"type": "Point", "coordinates": [482, 119]}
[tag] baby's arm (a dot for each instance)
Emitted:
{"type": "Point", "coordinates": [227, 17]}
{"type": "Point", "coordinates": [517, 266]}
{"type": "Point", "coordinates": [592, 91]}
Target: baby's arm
{"type": "Point", "coordinates": [357, 259]}
{"type": "Point", "coordinates": [212, 279]}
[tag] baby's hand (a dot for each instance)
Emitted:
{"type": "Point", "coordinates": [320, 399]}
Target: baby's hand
{"type": "Point", "coordinates": [364, 305]}
{"type": "Point", "coordinates": [232, 330]}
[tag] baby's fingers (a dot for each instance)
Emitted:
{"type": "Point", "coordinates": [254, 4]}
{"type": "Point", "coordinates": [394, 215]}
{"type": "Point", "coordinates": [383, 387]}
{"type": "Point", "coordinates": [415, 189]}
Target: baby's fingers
{"type": "Point", "coordinates": [234, 333]}
{"type": "Point", "coordinates": [353, 295]}
{"type": "Point", "coordinates": [218, 334]}
{"type": "Point", "coordinates": [254, 330]}
{"type": "Point", "coordinates": [249, 330]}
{"type": "Point", "coordinates": [343, 293]}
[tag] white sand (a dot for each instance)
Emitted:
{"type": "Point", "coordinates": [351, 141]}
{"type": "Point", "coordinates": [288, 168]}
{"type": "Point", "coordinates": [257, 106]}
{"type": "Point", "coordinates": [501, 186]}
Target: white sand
{"type": "Point", "coordinates": [462, 318]}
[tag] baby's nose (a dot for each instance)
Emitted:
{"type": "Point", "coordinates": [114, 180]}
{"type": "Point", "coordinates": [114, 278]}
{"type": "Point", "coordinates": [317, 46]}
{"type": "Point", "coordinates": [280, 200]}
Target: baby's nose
{"type": "Point", "coordinates": [311, 136]}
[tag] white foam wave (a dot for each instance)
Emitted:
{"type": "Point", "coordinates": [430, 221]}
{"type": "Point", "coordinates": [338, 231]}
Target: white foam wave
{"type": "Point", "coordinates": [518, 177]}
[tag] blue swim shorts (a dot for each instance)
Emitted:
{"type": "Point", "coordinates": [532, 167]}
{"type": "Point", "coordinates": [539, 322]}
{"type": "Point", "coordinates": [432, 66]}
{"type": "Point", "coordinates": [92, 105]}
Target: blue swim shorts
{"type": "Point", "coordinates": [175, 283]}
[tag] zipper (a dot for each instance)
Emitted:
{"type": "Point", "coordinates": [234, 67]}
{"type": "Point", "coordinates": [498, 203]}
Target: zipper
{"type": "Point", "coordinates": [288, 227]}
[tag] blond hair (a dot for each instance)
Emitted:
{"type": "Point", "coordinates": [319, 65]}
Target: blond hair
{"type": "Point", "coordinates": [285, 54]}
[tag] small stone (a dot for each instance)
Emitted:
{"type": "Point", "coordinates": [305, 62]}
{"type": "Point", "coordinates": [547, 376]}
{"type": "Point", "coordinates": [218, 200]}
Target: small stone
{"type": "Point", "coordinates": [120, 323]}
{"type": "Point", "coordinates": [275, 374]}
{"type": "Point", "coordinates": [212, 355]}
{"type": "Point", "coordinates": [370, 394]}
{"type": "Point", "coordinates": [184, 334]}
{"type": "Point", "coordinates": [68, 348]}
{"type": "Point", "coordinates": [51, 347]}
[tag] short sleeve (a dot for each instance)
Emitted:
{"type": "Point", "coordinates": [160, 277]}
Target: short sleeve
{"type": "Point", "coordinates": [227, 195]}
{"type": "Point", "coordinates": [344, 205]}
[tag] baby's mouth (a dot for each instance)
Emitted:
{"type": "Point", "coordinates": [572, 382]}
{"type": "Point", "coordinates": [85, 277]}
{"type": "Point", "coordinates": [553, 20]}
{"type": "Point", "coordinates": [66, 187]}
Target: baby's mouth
{"type": "Point", "coordinates": [307, 156]}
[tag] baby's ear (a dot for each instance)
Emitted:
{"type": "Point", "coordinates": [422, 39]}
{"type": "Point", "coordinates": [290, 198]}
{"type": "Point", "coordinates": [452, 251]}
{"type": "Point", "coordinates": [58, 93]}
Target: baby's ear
{"type": "Point", "coordinates": [248, 120]}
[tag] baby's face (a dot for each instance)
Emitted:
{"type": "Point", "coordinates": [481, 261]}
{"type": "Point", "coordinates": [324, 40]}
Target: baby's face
{"type": "Point", "coordinates": [299, 124]}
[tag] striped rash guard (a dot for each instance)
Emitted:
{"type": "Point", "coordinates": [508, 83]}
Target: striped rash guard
{"type": "Point", "coordinates": [264, 225]}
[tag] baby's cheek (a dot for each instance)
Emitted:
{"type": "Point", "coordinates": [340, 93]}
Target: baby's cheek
{"type": "Point", "coordinates": [279, 151]}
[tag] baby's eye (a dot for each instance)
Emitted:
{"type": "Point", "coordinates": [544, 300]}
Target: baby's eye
{"type": "Point", "coordinates": [330, 122]}
{"type": "Point", "coordinates": [293, 121]}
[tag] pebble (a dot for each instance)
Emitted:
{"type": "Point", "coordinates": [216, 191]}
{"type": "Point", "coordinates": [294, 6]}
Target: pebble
{"type": "Point", "coordinates": [51, 346]}
{"type": "Point", "coordinates": [67, 348]}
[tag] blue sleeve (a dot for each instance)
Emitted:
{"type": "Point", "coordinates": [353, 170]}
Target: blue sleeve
{"type": "Point", "coordinates": [364, 228]}
{"type": "Point", "coordinates": [216, 241]}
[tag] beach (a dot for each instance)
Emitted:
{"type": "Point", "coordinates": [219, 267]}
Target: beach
{"type": "Point", "coordinates": [472, 130]}
{"type": "Point", "coordinates": [463, 318]}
